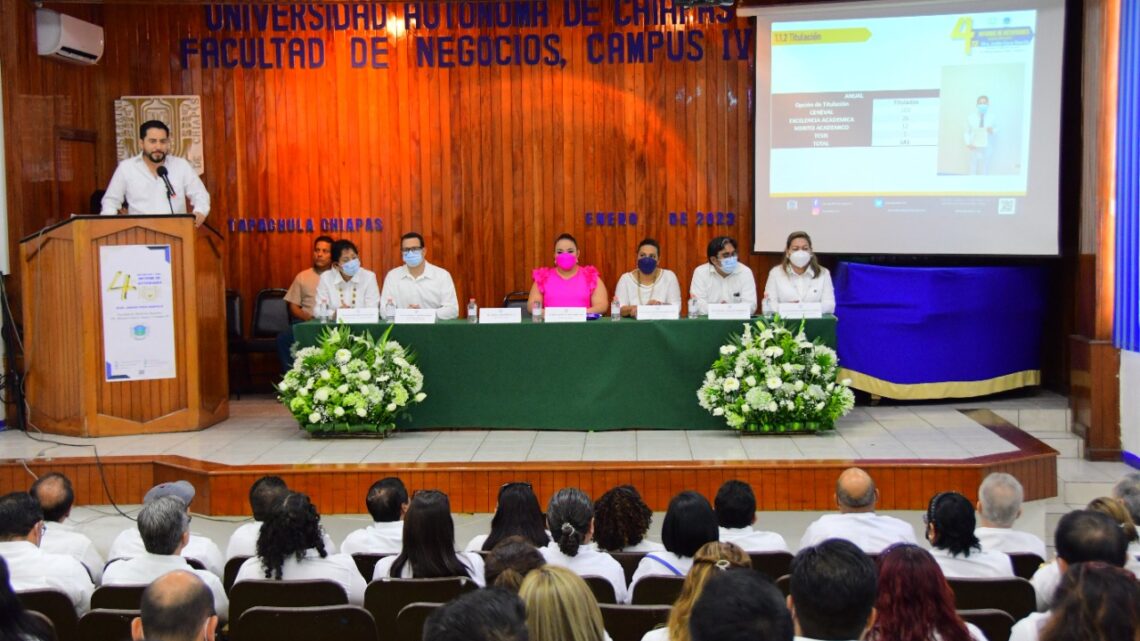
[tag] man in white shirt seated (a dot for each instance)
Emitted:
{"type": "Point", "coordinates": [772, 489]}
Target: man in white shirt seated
{"type": "Point", "coordinates": [164, 527]}
{"type": "Point", "coordinates": [29, 567]}
{"type": "Point", "coordinates": [723, 279]}
{"type": "Point", "coordinates": [418, 284]}
{"type": "Point", "coordinates": [738, 605]}
{"type": "Point", "coordinates": [302, 296]}
{"type": "Point", "coordinates": [201, 549]}
{"type": "Point", "coordinates": [55, 495]}
{"type": "Point", "coordinates": [265, 494]}
{"type": "Point", "coordinates": [834, 586]}
{"type": "Point", "coordinates": [1081, 536]}
{"type": "Point", "coordinates": [154, 182]}
{"type": "Point", "coordinates": [856, 496]}
{"type": "Point", "coordinates": [735, 507]}
{"type": "Point", "coordinates": [1127, 491]}
{"type": "Point", "coordinates": [999, 506]}
{"type": "Point", "coordinates": [175, 607]}
{"type": "Point", "coordinates": [348, 285]}
{"type": "Point", "coordinates": [387, 502]}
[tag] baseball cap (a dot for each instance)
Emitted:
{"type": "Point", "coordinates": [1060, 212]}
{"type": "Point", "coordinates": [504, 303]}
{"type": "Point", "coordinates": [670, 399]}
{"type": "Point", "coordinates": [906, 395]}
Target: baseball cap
{"type": "Point", "coordinates": [180, 489]}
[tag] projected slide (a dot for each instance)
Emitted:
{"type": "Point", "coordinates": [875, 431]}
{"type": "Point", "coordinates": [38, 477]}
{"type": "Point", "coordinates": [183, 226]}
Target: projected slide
{"type": "Point", "coordinates": [884, 124]}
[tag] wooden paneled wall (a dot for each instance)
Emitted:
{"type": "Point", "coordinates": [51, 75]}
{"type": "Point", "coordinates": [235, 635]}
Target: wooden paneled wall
{"type": "Point", "coordinates": [489, 163]}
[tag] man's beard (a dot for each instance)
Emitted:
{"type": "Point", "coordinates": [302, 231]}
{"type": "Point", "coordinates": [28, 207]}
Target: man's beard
{"type": "Point", "coordinates": [157, 157]}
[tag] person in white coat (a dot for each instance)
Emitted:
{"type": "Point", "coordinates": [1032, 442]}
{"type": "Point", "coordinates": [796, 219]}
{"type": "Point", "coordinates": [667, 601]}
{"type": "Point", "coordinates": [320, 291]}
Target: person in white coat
{"type": "Point", "coordinates": [856, 496]}
{"type": "Point", "coordinates": [570, 518]}
{"type": "Point", "coordinates": [56, 496]}
{"type": "Point", "coordinates": [950, 530]}
{"type": "Point", "coordinates": [429, 544]}
{"type": "Point", "coordinates": [999, 506]}
{"type": "Point", "coordinates": [735, 506]}
{"type": "Point", "coordinates": [799, 278]}
{"type": "Point", "coordinates": [689, 523]}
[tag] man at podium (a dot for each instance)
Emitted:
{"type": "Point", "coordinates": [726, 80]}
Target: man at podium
{"type": "Point", "coordinates": [154, 182]}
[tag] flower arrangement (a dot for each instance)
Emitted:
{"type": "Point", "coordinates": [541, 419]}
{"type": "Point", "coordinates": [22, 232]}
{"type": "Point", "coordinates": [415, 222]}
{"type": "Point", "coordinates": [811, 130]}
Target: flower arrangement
{"type": "Point", "coordinates": [351, 384]}
{"type": "Point", "coordinates": [771, 380]}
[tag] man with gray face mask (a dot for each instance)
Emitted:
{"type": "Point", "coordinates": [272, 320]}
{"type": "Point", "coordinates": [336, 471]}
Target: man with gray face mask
{"type": "Point", "coordinates": [723, 279]}
{"type": "Point", "coordinates": [418, 284]}
{"type": "Point", "coordinates": [348, 285]}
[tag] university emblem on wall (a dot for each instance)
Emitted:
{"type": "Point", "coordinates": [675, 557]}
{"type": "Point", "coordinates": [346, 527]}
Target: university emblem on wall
{"type": "Point", "coordinates": [183, 114]}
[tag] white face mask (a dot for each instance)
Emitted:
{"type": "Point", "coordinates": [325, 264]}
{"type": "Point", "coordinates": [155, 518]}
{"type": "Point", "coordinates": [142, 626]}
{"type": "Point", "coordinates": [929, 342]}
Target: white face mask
{"type": "Point", "coordinates": [800, 258]}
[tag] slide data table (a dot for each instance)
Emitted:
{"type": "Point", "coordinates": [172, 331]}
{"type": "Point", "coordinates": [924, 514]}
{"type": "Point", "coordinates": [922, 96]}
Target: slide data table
{"type": "Point", "coordinates": [598, 375]}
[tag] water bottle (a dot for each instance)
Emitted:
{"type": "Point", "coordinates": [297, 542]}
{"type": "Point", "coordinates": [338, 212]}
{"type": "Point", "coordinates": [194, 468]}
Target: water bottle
{"type": "Point", "coordinates": [472, 311]}
{"type": "Point", "coordinates": [536, 313]}
{"type": "Point", "coordinates": [321, 311]}
{"type": "Point", "coordinates": [389, 311]}
{"type": "Point", "coordinates": [694, 312]}
{"type": "Point", "coordinates": [615, 310]}
{"type": "Point", "coordinates": [766, 307]}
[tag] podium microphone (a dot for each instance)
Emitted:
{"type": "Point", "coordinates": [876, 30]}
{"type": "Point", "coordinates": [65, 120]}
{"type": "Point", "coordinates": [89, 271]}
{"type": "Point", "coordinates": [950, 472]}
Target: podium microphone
{"type": "Point", "coordinates": [163, 174]}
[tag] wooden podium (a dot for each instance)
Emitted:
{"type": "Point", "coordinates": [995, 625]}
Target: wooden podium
{"type": "Point", "coordinates": [67, 387]}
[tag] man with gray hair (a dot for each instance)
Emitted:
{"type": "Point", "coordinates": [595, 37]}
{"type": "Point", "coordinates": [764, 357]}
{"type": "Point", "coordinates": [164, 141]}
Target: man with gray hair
{"type": "Point", "coordinates": [1127, 491]}
{"type": "Point", "coordinates": [856, 496]}
{"type": "Point", "coordinates": [999, 505]}
{"type": "Point", "coordinates": [201, 549]}
{"type": "Point", "coordinates": [164, 527]}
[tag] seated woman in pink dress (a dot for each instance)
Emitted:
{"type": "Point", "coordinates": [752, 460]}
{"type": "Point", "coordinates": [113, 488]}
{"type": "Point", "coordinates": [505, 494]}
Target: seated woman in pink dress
{"type": "Point", "coordinates": [568, 284]}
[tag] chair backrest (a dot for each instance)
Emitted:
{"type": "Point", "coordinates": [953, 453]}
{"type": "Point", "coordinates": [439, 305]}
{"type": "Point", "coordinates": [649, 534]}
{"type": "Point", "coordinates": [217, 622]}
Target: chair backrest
{"type": "Point", "coordinates": [385, 597]}
{"type": "Point", "coordinates": [366, 563]}
{"type": "Point", "coordinates": [54, 605]}
{"type": "Point", "coordinates": [631, 622]}
{"type": "Point", "coordinates": [1025, 564]}
{"type": "Point", "coordinates": [1014, 595]}
{"type": "Point", "coordinates": [629, 562]}
{"type": "Point", "coordinates": [410, 621]}
{"type": "Point", "coordinates": [602, 588]}
{"type": "Point", "coordinates": [340, 622]}
{"type": "Point", "coordinates": [774, 564]}
{"type": "Point", "coordinates": [229, 573]}
{"type": "Point", "coordinates": [117, 597]}
{"type": "Point", "coordinates": [657, 590]}
{"type": "Point", "coordinates": [517, 299]}
{"type": "Point", "coordinates": [48, 630]}
{"type": "Point", "coordinates": [106, 625]}
{"type": "Point", "coordinates": [233, 315]}
{"type": "Point", "coordinates": [995, 624]}
{"type": "Point", "coordinates": [270, 314]}
{"type": "Point", "coordinates": [295, 594]}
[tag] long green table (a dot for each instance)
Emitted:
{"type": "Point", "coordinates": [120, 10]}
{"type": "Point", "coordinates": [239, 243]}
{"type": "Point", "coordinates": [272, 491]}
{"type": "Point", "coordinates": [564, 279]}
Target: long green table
{"type": "Point", "coordinates": [598, 375]}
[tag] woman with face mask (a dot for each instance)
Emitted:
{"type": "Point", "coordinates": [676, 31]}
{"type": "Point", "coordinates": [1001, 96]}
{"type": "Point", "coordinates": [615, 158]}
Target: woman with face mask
{"type": "Point", "coordinates": [649, 284]}
{"type": "Point", "coordinates": [568, 284]}
{"type": "Point", "coordinates": [799, 278]}
{"type": "Point", "coordinates": [348, 285]}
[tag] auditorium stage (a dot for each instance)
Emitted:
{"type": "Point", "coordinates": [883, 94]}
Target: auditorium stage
{"type": "Point", "coordinates": [914, 450]}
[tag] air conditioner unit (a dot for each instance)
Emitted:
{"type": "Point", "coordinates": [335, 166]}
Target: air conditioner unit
{"type": "Point", "coordinates": [68, 39]}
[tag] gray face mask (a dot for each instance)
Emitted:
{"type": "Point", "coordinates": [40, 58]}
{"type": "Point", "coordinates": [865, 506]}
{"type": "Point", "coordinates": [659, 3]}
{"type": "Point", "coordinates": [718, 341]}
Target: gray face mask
{"type": "Point", "coordinates": [350, 267]}
{"type": "Point", "coordinates": [728, 265]}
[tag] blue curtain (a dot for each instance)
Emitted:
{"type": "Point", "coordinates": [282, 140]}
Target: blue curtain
{"type": "Point", "coordinates": [1126, 326]}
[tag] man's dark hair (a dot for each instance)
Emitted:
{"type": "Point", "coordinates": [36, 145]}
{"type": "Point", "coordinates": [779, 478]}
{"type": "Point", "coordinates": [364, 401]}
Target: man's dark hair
{"type": "Point", "coordinates": [689, 523]}
{"type": "Point", "coordinates": [19, 513]}
{"type": "Point", "coordinates": [719, 243]}
{"type": "Point", "coordinates": [175, 613]}
{"type": "Point", "coordinates": [834, 586]}
{"type": "Point", "coordinates": [386, 499]}
{"type": "Point", "coordinates": [740, 605]}
{"type": "Point", "coordinates": [492, 614]}
{"type": "Point", "coordinates": [341, 246]}
{"type": "Point", "coordinates": [162, 523]}
{"type": "Point", "coordinates": [324, 239]}
{"type": "Point", "coordinates": [265, 494]}
{"type": "Point", "coordinates": [152, 124]}
{"type": "Point", "coordinates": [1085, 535]}
{"type": "Point", "coordinates": [735, 504]}
{"type": "Point", "coordinates": [415, 235]}
{"type": "Point", "coordinates": [54, 485]}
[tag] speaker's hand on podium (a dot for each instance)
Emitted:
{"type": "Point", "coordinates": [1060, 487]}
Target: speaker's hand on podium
{"type": "Point", "coordinates": [199, 218]}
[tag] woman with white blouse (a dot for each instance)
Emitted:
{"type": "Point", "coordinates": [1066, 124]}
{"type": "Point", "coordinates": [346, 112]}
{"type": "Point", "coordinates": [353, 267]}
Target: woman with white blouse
{"type": "Point", "coordinates": [950, 525]}
{"type": "Point", "coordinates": [570, 517]}
{"type": "Point", "coordinates": [689, 523]}
{"type": "Point", "coordinates": [429, 544]}
{"type": "Point", "coordinates": [799, 278]}
{"type": "Point", "coordinates": [649, 284]}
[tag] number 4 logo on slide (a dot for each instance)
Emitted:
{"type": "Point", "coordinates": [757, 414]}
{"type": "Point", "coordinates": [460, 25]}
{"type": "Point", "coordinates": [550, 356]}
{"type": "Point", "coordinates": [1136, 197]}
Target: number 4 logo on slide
{"type": "Point", "coordinates": [964, 30]}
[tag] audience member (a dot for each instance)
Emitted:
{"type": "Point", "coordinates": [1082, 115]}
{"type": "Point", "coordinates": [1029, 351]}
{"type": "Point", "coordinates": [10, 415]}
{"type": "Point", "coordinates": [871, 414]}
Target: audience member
{"type": "Point", "coordinates": [290, 547]}
{"type": "Point", "coordinates": [570, 516]}
{"type": "Point", "coordinates": [999, 506]}
{"type": "Point", "coordinates": [302, 297]}
{"type": "Point", "coordinates": [856, 496]}
{"type": "Point", "coordinates": [418, 283]}
{"type": "Point", "coordinates": [165, 530]}
{"type": "Point", "coordinates": [265, 495]}
{"type": "Point", "coordinates": [56, 497]}
{"type": "Point", "coordinates": [509, 563]}
{"type": "Point", "coordinates": [740, 605]}
{"type": "Point", "coordinates": [129, 544]}
{"type": "Point", "coordinates": [29, 567]}
{"type": "Point", "coordinates": [516, 514]}
{"type": "Point", "coordinates": [689, 524]}
{"type": "Point", "coordinates": [1116, 509]}
{"type": "Point", "coordinates": [560, 606]}
{"type": "Point", "coordinates": [621, 521]}
{"type": "Point", "coordinates": [1082, 536]}
{"type": "Point", "coordinates": [176, 607]}
{"type": "Point", "coordinates": [387, 501]}
{"type": "Point", "coordinates": [429, 544]}
{"type": "Point", "coordinates": [950, 529]}
{"type": "Point", "coordinates": [1127, 491]}
{"type": "Point", "coordinates": [15, 622]}
{"type": "Point", "coordinates": [834, 588]}
{"type": "Point", "coordinates": [1095, 602]}
{"type": "Point", "coordinates": [482, 615]}
{"type": "Point", "coordinates": [915, 601]}
{"type": "Point", "coordinates": [710, 560]}
{"type": "Point", "coordinates": [735, 506]}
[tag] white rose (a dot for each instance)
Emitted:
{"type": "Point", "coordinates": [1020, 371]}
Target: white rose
{"type": "Point", "coordinates": [338, 411]}
{"type": "Point", "coordinates": [315, 417]}
{"type": "Point", "coordinates": [325, 374]}
{"type": "Point", "coordinates": [750, 381]}
{"type": "Point", "coordinates": [745, 408]}
{"type": "Point", "coordinates": [343, 389]}
{"type": "Point", "coordinates": [718, 411]}
{"type": "Point", "coordinates": [799, 385]}
{"type": "Point", "coordinates": [361, 412]}
{"type": "Point", "coordinates": [731, 384]}
{"type": "Point", "coordinates": [391, 407]}
{"type": "Point", "coordinates": [322, 395]}
{"type": "Point", "coordinates": [365, 375]}
{"type": "Point", "coordinates": [727, 349]}
{"type": "Point", "coordinates": [774, 382]}
{"type": "Point", "coordinates": [420, 397]}
{"type": "Point", "coordinates": [845, 382]}
{"type": "Point", "coordinates": [815, 370]}
{"type": "Point", "coordinates": [772, 407]}
{"type": "Point", "coordinates": [343, 356]}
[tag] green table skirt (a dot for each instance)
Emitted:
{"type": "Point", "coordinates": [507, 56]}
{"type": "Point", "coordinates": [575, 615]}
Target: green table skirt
{"type": "Point", "coordinates": [599, 375]}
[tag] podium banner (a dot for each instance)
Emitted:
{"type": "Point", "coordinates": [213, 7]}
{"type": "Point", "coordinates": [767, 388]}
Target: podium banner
{"type": "Point", "coordinates": [138, 312]}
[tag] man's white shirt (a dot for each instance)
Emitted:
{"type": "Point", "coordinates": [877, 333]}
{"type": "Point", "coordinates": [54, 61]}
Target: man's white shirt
{"type": "Point", "coordinates": [129, 544]}
{"type": "Point", "coordinates": [870, 532]}
{"type": "Point", "coordinates": [61, 538]}
{"type": "Point", "coordinates": [751, 540]}
{"type": "Point", "coordinates": [1029, 628]}
{"type": "Point", "coordinates": [379, 538]}
{"type": "Point", "coordinates": [145, 192]}
{"type": "Point", "coordinates": [143, 569]}
{"type": "Point", "coordinates": [708, 286]}
{"type": "Point", "coordinates": [30, 568]}
{"type": "Point", "coordinates": [1010, 541]}
{"type": "Point", "coordinates": [433, 289]}
{"type": "Point", "coordinates": [358, 292]}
